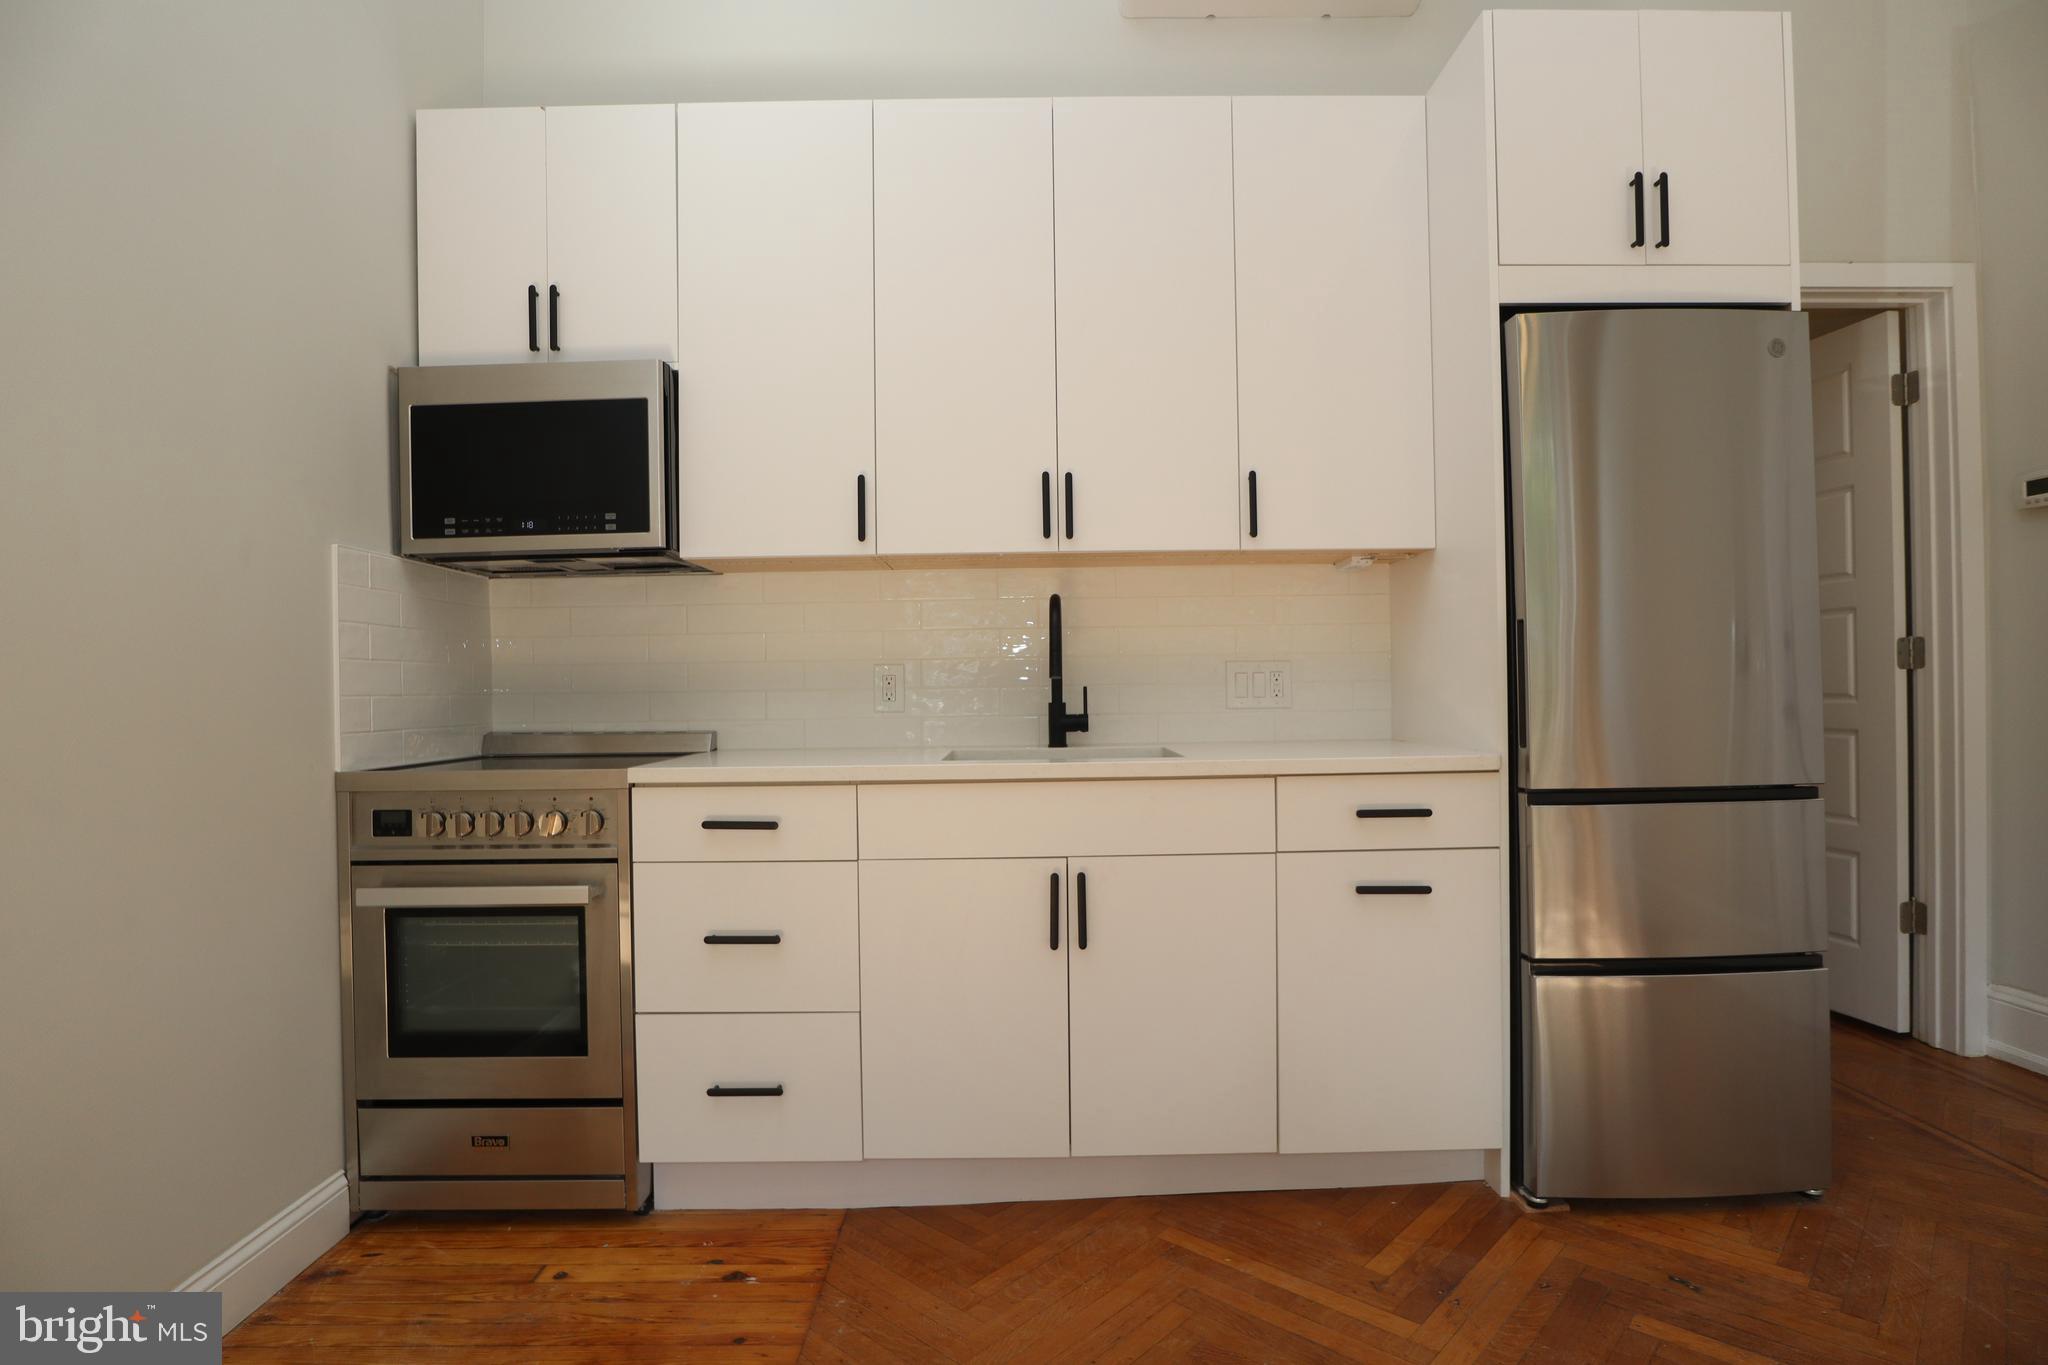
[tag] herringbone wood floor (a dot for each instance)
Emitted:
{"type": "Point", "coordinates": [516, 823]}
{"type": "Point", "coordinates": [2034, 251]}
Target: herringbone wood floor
{"type": "Point", "coordinates": [1932, 1245]}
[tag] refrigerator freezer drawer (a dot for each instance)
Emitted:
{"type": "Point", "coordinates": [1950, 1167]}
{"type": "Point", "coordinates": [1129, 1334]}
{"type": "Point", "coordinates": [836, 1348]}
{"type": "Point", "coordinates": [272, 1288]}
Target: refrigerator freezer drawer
{"type": "Point", "coordinates": [1646, 1087]}
{"type": "Point", "coordinates": [1672, 879]}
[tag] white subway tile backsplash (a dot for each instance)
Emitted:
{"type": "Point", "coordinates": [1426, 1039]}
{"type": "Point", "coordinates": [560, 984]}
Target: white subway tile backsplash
{"type": "Point", "coordinates": [413, 660]}
{"type": "Point", "coordinates": [777, 660]}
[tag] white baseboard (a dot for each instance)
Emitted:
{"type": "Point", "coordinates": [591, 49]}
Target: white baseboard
{"type": "Point", "coordinates": [2017, 1025]}
{"type": "Point", "coordinates": [873, 1184]}
{"type": "Point", "coordinates": [265, 1261]}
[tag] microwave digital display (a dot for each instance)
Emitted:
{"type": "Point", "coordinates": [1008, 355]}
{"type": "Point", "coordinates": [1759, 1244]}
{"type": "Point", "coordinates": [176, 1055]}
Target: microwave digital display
{"type": "Point", "coordinates": [537, 468]}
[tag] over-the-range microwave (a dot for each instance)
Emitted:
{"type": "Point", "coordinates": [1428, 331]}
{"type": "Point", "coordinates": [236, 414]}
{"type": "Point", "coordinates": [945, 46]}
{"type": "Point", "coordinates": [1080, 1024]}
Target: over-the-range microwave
{"type": "Point", "coordinates": [539, 469]}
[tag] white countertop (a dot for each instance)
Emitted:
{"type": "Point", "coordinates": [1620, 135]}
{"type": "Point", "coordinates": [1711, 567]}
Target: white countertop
{"type": "Point", "coordinates": [1265, 759]}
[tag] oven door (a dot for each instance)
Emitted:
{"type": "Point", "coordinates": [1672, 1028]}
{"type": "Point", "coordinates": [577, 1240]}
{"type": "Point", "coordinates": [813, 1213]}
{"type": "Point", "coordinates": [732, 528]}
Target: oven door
{"type": "Point", "coordinates": [486, 981]}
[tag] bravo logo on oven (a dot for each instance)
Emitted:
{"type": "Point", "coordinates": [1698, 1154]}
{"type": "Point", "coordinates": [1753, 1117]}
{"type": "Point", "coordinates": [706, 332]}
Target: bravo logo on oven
{"type": "Point", "coordinates": [489, 1140]}
{"type": "Point", "coordinates": [169, 1327]}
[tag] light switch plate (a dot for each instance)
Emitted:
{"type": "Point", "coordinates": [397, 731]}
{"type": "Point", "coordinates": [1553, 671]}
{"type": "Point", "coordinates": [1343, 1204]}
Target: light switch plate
{"type": "Point", "coordinates": [888, 687]}
{"type": "Point", "coordinates": [1258, 684]}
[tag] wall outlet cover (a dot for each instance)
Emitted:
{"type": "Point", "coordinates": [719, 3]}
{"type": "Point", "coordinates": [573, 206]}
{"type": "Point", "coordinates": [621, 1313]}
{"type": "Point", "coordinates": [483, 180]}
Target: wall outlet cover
{"type": "Point", "coordinates": [888, 687]}
{"type": "Point", "coordinates": [1258, 684]}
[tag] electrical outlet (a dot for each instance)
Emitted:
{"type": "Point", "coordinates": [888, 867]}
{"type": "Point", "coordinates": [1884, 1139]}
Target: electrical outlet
{"type": "Point", "coordinates": [888, 687]}
{"type": "Point", "coordinates": [1261, 684]}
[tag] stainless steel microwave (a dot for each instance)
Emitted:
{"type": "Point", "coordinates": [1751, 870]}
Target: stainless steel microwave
{"type": "Point", "coordinates": [539, 469]}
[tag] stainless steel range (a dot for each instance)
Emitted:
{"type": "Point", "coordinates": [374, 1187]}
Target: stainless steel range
{"type": "Point", "coordinates": [487, 975]}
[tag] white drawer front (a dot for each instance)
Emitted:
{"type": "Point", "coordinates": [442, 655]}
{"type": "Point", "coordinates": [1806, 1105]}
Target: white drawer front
{"type": "Point", "coordinates": [1391, 810]}
{"type": "Point", "coordinates": [742, 824]}
{"type": "Point", "coordinates": [1066, 819]}
{"type": "Point", "coordinates": [814, 1058]}
{"type": "Point", "coordinates": [692, 923]}
{"type": "Point", "coordinates": [1391, 1002]}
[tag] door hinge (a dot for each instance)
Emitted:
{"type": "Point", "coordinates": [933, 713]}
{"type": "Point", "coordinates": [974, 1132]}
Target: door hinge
{"type": "Point", "coordinates": [1913, 916]}
{"type": "Point", "coordinates": [1905, 388]}
{"type": "Point", "coordinates": [1912, 651]}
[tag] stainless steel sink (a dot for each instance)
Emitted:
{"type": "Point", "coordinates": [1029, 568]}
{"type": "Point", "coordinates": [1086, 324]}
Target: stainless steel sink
{"type": "Point", "coordinates": [1094, 753]}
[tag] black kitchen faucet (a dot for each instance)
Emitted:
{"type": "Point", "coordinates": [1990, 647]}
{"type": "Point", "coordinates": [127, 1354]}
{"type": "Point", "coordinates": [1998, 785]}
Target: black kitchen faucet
{"type": "Point", "coordinates": [1058, 724]}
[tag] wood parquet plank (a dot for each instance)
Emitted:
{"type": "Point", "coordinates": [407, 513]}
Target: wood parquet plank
{"type": "Point", "coordinates": [1931, 1246]}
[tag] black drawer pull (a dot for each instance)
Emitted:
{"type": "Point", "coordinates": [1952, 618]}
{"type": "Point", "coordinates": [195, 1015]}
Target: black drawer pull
{"type": "Point", "coordinates": [532, 317]}
{"type": "Point", "coordinates": [735, 1092]}
{"type": "Point", "coordinates": [1393, 888]}
{"type": "Point", "coordinates": [860, 506]}
{"type": "Point", "coordinates": [1394, 812]}
{"type": "Point", "coordinates": [1081, 911]}
{"type": "Point", "coordinates": [1664, 207]}
{"type": "Point", "coordinates": [554, 318]}
{"type": "Point", "coordinates": [743, 824]}
{"type": "Point", "coordinates": [1045, 504]}
{"type": "Point", "coordinates": [743, 938]}
{"type": "Point", "coordinates": [1635, 185]}
{"type": "Point", "coordinates": [1055, 912]}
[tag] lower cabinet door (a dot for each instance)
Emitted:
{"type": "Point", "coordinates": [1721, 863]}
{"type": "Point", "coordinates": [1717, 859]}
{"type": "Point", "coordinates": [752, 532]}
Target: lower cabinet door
{"type": "Point", "coordinates": [1393, 986]}
{"type": "Point", "coordinates": [748, 1087]}
{"type": "Point", "coordinates": [1172, 1004]}
{"type": "Point", "coordinates": [963, 983]}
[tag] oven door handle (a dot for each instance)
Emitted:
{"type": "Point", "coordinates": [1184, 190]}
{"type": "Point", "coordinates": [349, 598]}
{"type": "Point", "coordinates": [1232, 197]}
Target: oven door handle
{"type": "Point", "coordinates": [468, 897]}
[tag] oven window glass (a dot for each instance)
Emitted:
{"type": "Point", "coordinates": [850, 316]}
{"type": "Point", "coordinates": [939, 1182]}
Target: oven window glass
{"type": "Point", "coordinates": [501, 983]}
{"type": "Point", "coordinates": [569, 467]}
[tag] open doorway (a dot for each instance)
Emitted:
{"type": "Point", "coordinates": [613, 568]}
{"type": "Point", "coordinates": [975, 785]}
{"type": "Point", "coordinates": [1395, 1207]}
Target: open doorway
{"type": "Point", "coordinates": [1899, 475]}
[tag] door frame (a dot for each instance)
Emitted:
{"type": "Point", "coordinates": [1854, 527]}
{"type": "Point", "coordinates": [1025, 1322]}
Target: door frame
{"type": "Point", "coordinates": [1937, 307]}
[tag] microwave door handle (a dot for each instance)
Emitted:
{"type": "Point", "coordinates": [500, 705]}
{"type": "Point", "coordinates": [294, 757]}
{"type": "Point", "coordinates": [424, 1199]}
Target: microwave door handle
{"type": "Point", "coordinates": [468, 897]}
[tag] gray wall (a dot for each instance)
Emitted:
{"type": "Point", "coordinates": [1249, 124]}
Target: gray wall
{"type": "Point", "coordinates": [208, 266]}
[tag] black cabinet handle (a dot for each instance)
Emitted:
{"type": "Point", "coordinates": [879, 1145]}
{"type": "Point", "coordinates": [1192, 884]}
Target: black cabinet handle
{"type": "Point", "coordinates": [860, 502]}
{"type": "Point", "coordinates": [743, 938]}
{"type": "Point", "coordinates": [533, 317]}
{"type": "Point", "coordinates": [1070, 505]}
{"type": "Point", "coordinates": [1394, 812]}
{"type": "Point", "coordinates": [1045, 504]}
{"type": "Point", "coordinates": [1055, 912]}
{"type": "Point", "coordinates": [1663, 208]}
{"type": "Point", "coordinates": [1636, 183]}
{"type": "Point", "coordinates": [1081, 911]}
{"type": "Point", "coordinates": [743, 824]}
{"type": "Point", "coordinates": [1392, 888]}
{"type": "Point", "coordinates": [1252, 484]}
{"type": "Point", "coordinates": [554, 319]}
{"type": "Point", "coordinates": [733, 1092]}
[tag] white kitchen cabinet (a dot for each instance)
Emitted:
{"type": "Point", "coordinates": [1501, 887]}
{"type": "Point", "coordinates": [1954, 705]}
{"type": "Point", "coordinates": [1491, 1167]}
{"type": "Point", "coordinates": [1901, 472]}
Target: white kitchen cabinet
{"type": "Point", "coordinates": [749, 1087]}
{"type": "Point", "coordinates": [611, 233]}
{"type": "Point", "coordinates": [1332, 232]}
{"type": "Point", "coordinates": [1715, 121]}
{"type": "Point", "coordinates": [483, 234]}
{"type": "Point", "coordinates": [1146, 328]}
{"type": "Point", "coordinates": [1696, 103]}
{"type": "Point", "coordinates": [963, 980]}
{"type": "Point", "coordinates": [1391, 1000]}
{"type": "Point", "coordinates": [775, 329]}
{"type": "Point", "coordinates": [964, 405]}
{"type": "Point", "coordinates": [1171, 1011]}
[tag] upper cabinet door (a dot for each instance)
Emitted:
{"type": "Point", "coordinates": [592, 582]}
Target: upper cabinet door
{"type": "Point", "coordinates": [611, 233]}
{"type": "Point", "coordinates": [1146, 324]}
{"type": "Point", "coordinates": [1568, 134]}
{"type": "Point", "coordinates": [775, 329]}
{"type": "Point", "coordinates": [964, 404]}
{"type": "Point", "coordinates": [1333, 377]}
{"type": "Point", "coordinates": [1715, 122]}
{"type": "Point", "coordinates": [483, 234]}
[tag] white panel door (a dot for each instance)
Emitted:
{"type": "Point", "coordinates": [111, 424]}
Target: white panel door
{"type": "Point", "coordinates": [964, 405]}
{"type": "Point", "coordinates": [1714, 122]}
{"type": "Point", "coordinates": [611, 232]}
{"type": "Point", "coordinates": [963, 978]}
{"type": "Point", "coordinates": [1391, 1000]}
{"type": "Point", "coordinates": [1147, 323]}
{"type": "Point", "coordinates": [1333, 372]}
{"type": "Point", "coordinates": [1568, 136]}
{"type": "Point", "coordinates": [1859, 476]}
{"type": "Point", "coordinates": [775, 329]}
{"type": "Point", "coordinates": [1172, 1028]}
{"type": "Point", "coordinates": [483, 234]}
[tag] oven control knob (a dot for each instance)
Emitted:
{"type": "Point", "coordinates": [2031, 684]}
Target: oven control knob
{"type": "Point", "coordinates": [552, 823]}
{"type": "Point", "coordinates": [492, 823]}
{"type": "Point", "coordinates": [590, 823]}
{"type": "Point", "coordinates": [522, 823]}
{"type": "Point", "coordinates": [433, 823]}
{"type": "Point", "coordinates": [462, 823]}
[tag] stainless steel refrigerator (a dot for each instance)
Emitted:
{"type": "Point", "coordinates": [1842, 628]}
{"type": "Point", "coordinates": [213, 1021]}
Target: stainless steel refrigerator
{"type": "Point", "coordinates": [1666, 689]}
